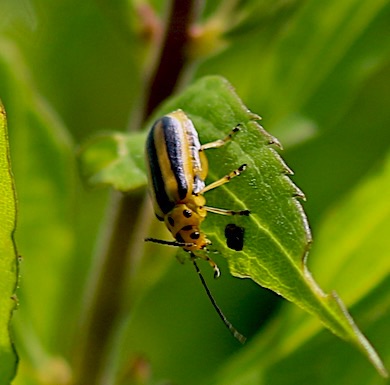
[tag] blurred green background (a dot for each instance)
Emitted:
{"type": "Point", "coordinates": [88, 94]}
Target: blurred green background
{"type": "Point", "coordinates": [318, 74]}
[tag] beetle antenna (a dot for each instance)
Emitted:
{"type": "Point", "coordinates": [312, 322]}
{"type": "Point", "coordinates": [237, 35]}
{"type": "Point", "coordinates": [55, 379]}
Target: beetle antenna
{"type": "Point", "coordinates": [236, 334]}
{"type": "Point", "coordinates": [169, 243]}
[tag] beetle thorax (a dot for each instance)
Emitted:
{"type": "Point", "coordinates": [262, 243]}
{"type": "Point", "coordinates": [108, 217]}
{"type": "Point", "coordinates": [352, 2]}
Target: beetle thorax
{"type": "Point", "coordinates": [184, 224]}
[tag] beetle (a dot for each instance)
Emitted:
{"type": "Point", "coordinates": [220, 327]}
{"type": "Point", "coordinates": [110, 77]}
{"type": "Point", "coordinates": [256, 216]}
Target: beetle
{"type": "Point", "coordinates": [177, 168]}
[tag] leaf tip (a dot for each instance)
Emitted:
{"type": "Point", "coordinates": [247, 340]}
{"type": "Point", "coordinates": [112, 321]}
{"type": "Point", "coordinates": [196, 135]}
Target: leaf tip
{"type": "Point", "coordinates": [360, 340]}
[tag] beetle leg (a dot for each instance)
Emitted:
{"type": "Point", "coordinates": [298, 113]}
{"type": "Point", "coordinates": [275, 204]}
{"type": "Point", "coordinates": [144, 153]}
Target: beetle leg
{"type": "Point", "coordinates": [220, 142]}
{"type": "Point", "coordinates": [226, 212]}
{"type": "Point", "coordinates": [224, 179]}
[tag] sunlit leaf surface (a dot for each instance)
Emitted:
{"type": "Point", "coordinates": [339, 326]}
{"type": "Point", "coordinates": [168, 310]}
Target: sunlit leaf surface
{"type": "Point", "coordinates": [277, 235]}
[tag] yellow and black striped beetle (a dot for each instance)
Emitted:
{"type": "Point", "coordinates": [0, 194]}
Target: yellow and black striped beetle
{"type": "Point", "coordinates": [177, 168]}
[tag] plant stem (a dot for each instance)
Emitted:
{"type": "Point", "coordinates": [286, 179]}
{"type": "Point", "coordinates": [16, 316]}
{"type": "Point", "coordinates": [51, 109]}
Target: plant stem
{"type": "Point", "coordinates": [173, 54]}
{"type": "Point", "coordinates": [104, 304]}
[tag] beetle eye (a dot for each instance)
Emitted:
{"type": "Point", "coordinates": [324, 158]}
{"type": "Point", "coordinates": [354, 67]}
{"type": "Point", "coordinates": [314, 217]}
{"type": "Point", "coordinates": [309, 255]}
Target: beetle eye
{"type": "Point", "coordinates": [187, 213]}
{"type": "Point", "coordinates": [195, 235]}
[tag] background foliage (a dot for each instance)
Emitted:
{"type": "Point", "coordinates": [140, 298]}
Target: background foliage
{"type": "Point", "coordinates": [317, 72]}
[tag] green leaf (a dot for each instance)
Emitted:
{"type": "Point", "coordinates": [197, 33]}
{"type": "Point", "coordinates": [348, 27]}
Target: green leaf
{"type": "Point", "coordinates": [277, 232]}
{"type": "Point", "coordinates": [115, 160]}
{"type": "Point", "coordinates": [322, 360]}
{"type": "Point", "coordinates": [346, 262]}
{"type": "Point", "coordinates": [277, 235]}
{"type": "Point", "coordinates": [8, 256]}
{"type": "Point", "coordinates": [44, 169]}
{"type": "Point", "coordinates": [339, 259]}
{"type": "Point", "coordinates": [322, 351]}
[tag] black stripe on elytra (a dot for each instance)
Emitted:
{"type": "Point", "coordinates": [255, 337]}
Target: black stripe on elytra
{"type": "Point", "coordinates": [161, 196]}
{"type": "Point", "coordinates": [175, 154]}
